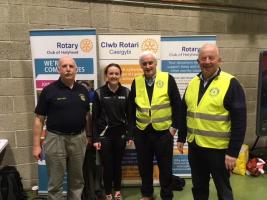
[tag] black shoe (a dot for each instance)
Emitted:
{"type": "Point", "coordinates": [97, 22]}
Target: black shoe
{"type": "Point", "coordinates": [99, 194]}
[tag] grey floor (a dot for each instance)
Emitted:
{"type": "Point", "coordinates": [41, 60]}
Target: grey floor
{"type": "Point", "coordinates": [245, 188]}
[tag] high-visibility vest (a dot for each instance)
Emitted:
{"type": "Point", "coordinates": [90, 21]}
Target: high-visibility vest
{"type": "Point", "coordinates": [208, 123]}
{"type": "Point", "coordinates": [159, 112]}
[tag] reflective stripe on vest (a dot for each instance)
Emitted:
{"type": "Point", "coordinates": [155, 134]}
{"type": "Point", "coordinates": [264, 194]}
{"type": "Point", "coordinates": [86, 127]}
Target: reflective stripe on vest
{"type": "Point", "coordinates": [155, 120]}
{"type": "Point", "coordinates": [155, 107]}
{"type": "Point", "coordinates": [208, 122]}
{"type": "Point", "coordinates": [208, 117]}
{"type": "Point", "coordinates": [159, 112]}
{"type": "Point", "coordinates": [209, 133]}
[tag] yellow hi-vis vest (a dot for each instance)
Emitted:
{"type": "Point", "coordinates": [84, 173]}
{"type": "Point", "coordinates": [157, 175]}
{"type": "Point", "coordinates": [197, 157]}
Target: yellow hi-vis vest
{"type": "Point", "coordinates": [208, 123]}
{"type": "Point", "coordinates": [159, 113]}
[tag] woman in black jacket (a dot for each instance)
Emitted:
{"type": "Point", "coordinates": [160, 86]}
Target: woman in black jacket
{"type": "Point", "coordinates": [109, 128]}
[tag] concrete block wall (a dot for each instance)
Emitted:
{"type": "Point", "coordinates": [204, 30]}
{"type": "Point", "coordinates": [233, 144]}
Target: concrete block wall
{"type": "Point", "coordinates": [241, 35]}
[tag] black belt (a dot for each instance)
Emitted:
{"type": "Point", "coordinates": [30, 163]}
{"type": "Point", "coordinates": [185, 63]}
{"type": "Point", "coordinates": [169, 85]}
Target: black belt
{"type": "Point", "coordinates": [62, 133]}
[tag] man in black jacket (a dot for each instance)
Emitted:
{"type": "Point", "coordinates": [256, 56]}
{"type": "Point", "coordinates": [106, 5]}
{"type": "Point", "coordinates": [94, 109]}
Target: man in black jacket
{"type": "Point", "coordinates": [154, 112]}
{"type": "Point", "coordinates": [214, 116]}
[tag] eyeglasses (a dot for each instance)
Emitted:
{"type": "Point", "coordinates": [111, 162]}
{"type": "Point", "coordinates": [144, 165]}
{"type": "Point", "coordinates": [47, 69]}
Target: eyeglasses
{"type": "Point", "coordinates": [149, 63]}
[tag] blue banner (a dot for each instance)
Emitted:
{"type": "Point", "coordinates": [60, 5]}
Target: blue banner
{"type": "Point", "coordinates": [49, 66]}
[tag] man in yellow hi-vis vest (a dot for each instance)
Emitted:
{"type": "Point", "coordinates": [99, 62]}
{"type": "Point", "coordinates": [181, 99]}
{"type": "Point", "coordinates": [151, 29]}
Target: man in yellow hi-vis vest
{"type": "Point", "coordinates": [214, 109]}
{"type": "Point", "coordinates": [154, 110]}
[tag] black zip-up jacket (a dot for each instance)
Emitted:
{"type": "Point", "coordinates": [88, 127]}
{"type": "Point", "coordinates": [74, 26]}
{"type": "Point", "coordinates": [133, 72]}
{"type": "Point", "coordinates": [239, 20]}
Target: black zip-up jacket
{"type": "Point", "coordinates": [109, 109]}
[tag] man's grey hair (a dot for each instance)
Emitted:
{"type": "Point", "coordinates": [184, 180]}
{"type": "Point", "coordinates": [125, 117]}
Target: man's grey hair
{"type": "Point", "coordinates": [147, 53]}
{"type": "Point", "coordinates": [209, 45]}
{"type": "Point", "coordinates": [64, 57]}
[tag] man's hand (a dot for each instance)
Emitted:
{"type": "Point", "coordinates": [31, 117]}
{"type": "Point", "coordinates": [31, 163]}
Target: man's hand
{"type": "Point", "coordinates": [36, 151]}
{"type": "Point", "coordinates": [230, 162]}
{"type": "Point", "coordinates": [172, 131]}
{"type": "Point", "coordinates": [130, 142]}
{"type": "Point", "coordinates": [180, 147]}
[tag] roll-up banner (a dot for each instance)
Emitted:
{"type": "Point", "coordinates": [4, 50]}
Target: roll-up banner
{"type": "Point", "coordinates": [125, 50]}
{"type": "Point", "coordinates": [179, 57]}
{"type": "Point", "coordinates": [47, 46]}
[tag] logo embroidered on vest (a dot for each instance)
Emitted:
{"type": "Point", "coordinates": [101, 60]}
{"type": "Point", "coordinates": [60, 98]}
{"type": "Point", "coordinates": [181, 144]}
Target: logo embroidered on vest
{"type": "Point", "coordinates": [214, 92]}
{"type": "Point", "coordinates": [82, 97]}
{"type": "Point", "coordinates": [159, 83]}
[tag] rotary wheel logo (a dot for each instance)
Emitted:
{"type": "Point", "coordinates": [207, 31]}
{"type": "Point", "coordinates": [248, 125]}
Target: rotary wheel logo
{"type": "Point", "coordinates": [159, 84]}
{"type": "Point", "coordinates": [82, 97]}
{"type": "Point", "coordinates": [150, 45]}
{"type": "Point", "coordinates": [86, 45]}
{"type": "Point", "coordinates": [214, 92]}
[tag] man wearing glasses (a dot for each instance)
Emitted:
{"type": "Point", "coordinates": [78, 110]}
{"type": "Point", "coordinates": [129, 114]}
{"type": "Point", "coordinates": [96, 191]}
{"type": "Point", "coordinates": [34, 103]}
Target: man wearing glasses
{"type": "Point", "coordinates": [154, 110]}
{"type": "Point", "coordinates": [64, 105]}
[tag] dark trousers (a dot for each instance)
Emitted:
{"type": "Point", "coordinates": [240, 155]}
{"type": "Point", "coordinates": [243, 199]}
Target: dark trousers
{"type": "Point", "coordinates": [205, 162]}
{"type": "Point", "coordinates": [92, 174]}
{"type": "Point", "coordinates": [112, 150]}
{"type": "Point", "coordinates": [150, 143]}
{"type": "Point", "coordinates": [89, 169]}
